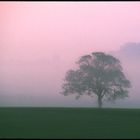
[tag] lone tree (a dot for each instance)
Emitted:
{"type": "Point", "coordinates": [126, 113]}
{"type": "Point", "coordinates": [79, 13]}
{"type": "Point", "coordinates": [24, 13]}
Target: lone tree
{"type": "Point", "coordinates": [98, 74]}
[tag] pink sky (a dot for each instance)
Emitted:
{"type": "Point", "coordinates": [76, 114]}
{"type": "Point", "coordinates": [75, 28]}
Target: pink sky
{"type": "Point", "coordinates": [40, 41]}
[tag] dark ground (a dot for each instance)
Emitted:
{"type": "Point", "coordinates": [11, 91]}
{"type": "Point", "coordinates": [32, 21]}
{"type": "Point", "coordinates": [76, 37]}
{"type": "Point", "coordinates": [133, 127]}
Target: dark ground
{"type": "Point", "coordinates": [69, 123]}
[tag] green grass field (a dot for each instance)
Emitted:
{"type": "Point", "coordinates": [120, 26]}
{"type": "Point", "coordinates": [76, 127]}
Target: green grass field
{"type": "Point", "coordinates": [69, 123]}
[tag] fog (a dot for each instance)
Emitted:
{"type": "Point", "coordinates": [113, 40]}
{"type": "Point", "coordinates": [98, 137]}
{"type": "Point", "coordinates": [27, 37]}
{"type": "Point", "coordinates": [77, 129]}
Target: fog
{"type": "Point", "coordinates": [41, 41]}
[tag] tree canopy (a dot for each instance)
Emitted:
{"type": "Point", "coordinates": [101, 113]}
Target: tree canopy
{"type": "Point", "coordinates": [98, 74]}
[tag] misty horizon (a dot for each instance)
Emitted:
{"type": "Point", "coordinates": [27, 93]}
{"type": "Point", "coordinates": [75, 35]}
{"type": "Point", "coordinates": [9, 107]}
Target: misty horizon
{"type": "Point", "coordinates": [41, 41]}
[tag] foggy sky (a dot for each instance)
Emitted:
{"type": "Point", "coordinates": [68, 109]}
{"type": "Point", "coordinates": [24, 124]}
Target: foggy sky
{"type": "Point", "coordinates": [40, 41]}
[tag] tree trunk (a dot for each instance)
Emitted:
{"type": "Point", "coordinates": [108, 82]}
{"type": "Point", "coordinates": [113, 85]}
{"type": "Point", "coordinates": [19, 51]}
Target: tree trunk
{"type": "Point", "coordinates": [100, 102]}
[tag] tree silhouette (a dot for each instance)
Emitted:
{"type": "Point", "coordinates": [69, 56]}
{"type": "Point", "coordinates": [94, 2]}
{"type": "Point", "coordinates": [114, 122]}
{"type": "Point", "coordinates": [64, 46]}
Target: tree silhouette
{"type": "Point", "coordinates": [98, 74]}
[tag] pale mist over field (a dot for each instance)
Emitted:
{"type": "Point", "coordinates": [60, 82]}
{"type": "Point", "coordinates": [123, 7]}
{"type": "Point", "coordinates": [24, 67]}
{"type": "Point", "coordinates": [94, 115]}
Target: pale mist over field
{"type": "Point", "coordinates": [41, 41]}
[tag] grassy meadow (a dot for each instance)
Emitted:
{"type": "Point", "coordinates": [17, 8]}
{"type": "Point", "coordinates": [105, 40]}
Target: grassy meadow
{"type": "Point", "coordinates": [68, 123]}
